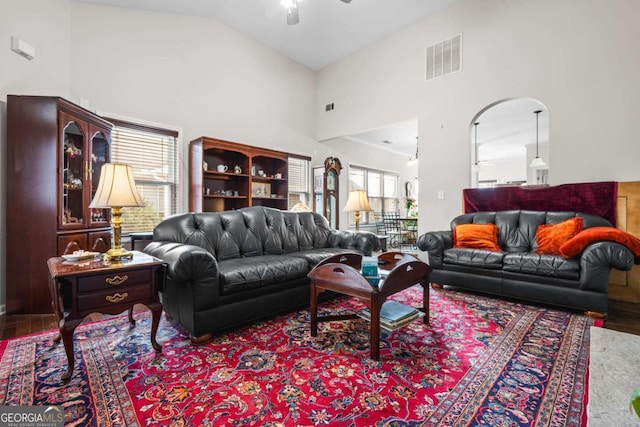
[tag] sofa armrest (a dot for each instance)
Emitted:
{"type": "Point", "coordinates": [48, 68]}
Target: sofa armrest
{"type": "Point", "coordinates": [597, 260]}
{"type": "Point", "coordinates": [186, 263]}
{"type": "Point", "coordinates": [362, 241]}
{"type": "Point", "coordinates": [435, 243]}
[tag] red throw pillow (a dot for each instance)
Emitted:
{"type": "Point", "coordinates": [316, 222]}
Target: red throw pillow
{"type": "Point", "coordinates": [576, 245]}
{"type": "Point", "coordinates": [476, 236]}
{"type": "Point", "coordinates": [551, 237]}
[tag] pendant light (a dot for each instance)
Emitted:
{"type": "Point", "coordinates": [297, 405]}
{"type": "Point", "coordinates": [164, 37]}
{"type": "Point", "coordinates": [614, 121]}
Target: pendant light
{"type": "Point", "coordinates": [293, 16]}
{"type": "Point", "coordinates": [476, 165]}
{"type": "Point", "coordinates": [537, 162]}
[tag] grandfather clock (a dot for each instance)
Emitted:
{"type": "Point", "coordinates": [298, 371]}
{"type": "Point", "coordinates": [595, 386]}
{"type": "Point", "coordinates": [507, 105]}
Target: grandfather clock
{"type": "Point", "coordinates": [332, 168]}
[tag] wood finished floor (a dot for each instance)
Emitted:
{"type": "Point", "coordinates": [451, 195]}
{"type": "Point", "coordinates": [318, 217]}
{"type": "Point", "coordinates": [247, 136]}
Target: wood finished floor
{"type": "Point", "coordinates": [623, 317]}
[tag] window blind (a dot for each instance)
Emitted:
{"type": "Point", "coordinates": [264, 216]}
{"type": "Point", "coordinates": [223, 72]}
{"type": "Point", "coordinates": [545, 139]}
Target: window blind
{"type": "Point", "coordinates": [299, 181]}
{"type": "Point", "coordinates": [382, 191]}
{"type": "Point", "coordinates": [153, 155]}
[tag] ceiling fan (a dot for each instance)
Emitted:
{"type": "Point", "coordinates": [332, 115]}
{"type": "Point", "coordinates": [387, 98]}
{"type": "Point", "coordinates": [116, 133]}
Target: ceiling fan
{"type": "Point", "coordinates": [293, 16]}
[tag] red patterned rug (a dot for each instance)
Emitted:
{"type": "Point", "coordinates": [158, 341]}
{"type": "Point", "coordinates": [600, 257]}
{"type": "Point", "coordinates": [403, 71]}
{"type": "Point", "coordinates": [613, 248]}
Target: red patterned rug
{"type": "Point", "coordinates": [479, 362]}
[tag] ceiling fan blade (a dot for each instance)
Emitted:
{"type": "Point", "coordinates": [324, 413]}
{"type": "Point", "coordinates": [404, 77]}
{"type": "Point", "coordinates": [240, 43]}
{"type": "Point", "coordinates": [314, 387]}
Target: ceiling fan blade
{"type": "Point", "coordinates": [293, 17]}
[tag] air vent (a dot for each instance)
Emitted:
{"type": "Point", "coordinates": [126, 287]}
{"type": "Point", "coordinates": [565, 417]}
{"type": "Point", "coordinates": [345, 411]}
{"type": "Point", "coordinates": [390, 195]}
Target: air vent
{"type": "Point", "coordinates": [444, 57]}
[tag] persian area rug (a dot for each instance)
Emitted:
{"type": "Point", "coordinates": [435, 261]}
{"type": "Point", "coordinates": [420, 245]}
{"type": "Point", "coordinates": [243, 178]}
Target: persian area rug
{"type": "Point", "coordinates": [480, 361]}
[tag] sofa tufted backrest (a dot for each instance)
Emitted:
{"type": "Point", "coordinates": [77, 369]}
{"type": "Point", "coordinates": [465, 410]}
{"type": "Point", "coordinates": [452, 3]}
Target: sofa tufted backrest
{"type": "Point", "coordinates": [517, 228]}
{"type": "Point", "coordinates": [247, 232]}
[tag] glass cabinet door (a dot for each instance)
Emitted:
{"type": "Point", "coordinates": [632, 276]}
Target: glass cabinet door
{"type": "Point", "coordinates": [72, 175]}
{"type": "Point", "coordinates": [100, 150]}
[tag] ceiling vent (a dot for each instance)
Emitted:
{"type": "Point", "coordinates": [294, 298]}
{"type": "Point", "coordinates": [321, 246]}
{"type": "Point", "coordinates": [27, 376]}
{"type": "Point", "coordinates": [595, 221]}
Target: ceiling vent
{"type": "Point", "coordinates": [444, 57]}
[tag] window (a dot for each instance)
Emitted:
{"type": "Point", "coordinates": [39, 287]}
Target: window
{"type": "Point", "coordinates": [382, 191]}
{"type": "Point", "coordinates": [299, 181]}
{"type": "Point", "coordinates": [153, 155]}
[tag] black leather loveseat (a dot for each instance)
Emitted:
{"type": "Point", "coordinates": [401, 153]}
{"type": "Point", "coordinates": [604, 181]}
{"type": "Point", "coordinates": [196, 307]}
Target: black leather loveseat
{"type": "Point", "coordinates": [517, 270]}
{"type": "Point", "coordinates": [232, 268]}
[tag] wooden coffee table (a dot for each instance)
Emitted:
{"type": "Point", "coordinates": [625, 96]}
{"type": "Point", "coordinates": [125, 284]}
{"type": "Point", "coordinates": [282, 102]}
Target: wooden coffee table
{"type": "Point", "coordinates": [341, 274]}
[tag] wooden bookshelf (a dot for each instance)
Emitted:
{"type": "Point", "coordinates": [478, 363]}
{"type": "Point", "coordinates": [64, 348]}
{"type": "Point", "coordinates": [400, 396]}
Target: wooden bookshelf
{"type": "Point", "coordinates": [249, 176]}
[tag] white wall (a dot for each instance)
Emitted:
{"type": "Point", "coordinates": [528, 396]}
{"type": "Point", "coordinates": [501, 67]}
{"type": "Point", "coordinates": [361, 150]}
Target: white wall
{"type": "Point", "coordinates": [44, 24]}
{"type": "Point", "coordinates": [193, 73]}
{"type": "Point", "coordinates": [578, 57]}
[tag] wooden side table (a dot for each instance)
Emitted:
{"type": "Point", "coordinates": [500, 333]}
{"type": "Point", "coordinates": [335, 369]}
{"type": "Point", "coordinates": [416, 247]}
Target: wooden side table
{"type": "Point", "coordinates": [80, 288]}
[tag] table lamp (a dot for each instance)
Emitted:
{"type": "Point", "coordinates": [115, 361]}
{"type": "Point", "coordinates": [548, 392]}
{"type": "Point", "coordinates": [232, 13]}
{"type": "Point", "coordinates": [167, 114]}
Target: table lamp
{"type": "Point", "coordinates": [357, 202]}
{"type": "Point", "coordinates": [116, 189]}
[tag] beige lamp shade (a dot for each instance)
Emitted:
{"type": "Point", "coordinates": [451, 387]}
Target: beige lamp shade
{"type": "Point", "coordinates": [357, 202]}
{"type": "Point", "coordinates": [116, 187]}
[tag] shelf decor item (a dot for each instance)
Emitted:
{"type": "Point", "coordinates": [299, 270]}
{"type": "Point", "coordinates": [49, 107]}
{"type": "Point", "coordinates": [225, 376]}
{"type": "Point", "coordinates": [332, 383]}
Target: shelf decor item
{"type": "Point", "coordinates": [116, 189]}
{"type": "Point", "coordinates": [259, 189]}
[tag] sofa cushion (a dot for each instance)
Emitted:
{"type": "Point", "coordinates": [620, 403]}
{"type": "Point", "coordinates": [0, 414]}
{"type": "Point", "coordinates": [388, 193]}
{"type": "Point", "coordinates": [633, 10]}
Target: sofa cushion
{"type": "Point", "coordinates": [314, 256]}
{"type": "Point", "coordinates": [574, 246]}
{"type": "Point", "coordinates": [551, 237]}
{"type": "Point", "coordinates": [517, 229]}
{"type": "Point", "coordinates": [481, 258]}
{"type": "Point", "coordinates": [542, 265]}
{"type": "Point", "coordinates": [476, 236]}
{"type": "Point", "coordinates": [246, 273]}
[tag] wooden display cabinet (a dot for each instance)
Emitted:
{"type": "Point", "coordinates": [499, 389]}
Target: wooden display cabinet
{"type": "Point", "coordinates": [55, 150]}
{"type": "Point", "coordinates": [225, 175]}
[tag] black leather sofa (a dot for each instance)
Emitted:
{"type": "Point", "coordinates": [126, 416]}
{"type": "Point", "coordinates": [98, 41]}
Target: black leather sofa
{"type": "Point", "coordinates": [231, 268]}
{"type": "Point", "coordinates": [518, 271]}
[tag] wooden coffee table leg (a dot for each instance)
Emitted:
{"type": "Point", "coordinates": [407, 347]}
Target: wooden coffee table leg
{"type": "Point", "coordinates": [425, 302]}
{"type": "Point", "coordinates": [314, 310]}
{"type": "Point", "coordinates": [375, 331]}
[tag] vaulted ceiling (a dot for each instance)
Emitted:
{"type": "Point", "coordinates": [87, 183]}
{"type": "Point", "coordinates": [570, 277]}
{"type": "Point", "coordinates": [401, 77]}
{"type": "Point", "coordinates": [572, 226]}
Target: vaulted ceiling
{"type": "Point", "coordinates": [328, 29]}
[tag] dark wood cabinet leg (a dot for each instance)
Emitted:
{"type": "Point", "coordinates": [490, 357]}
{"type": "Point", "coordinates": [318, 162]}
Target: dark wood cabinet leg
{"type": "Point", "coordinates": [374, 340]}
{"type": "Point", "coordinates": [132, 321]}
{"type": "Point", "coordinates": [313, 309]}
{"type": "Point", "coordinates": [425, 302]}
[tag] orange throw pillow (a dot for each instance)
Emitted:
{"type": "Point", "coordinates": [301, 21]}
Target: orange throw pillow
{"type": "Point", "coordinates": [576, 245]}
{"type": "Point", "coordinates": [476, 236]}
{"type": "Point", "coordinates": [551, 237]}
